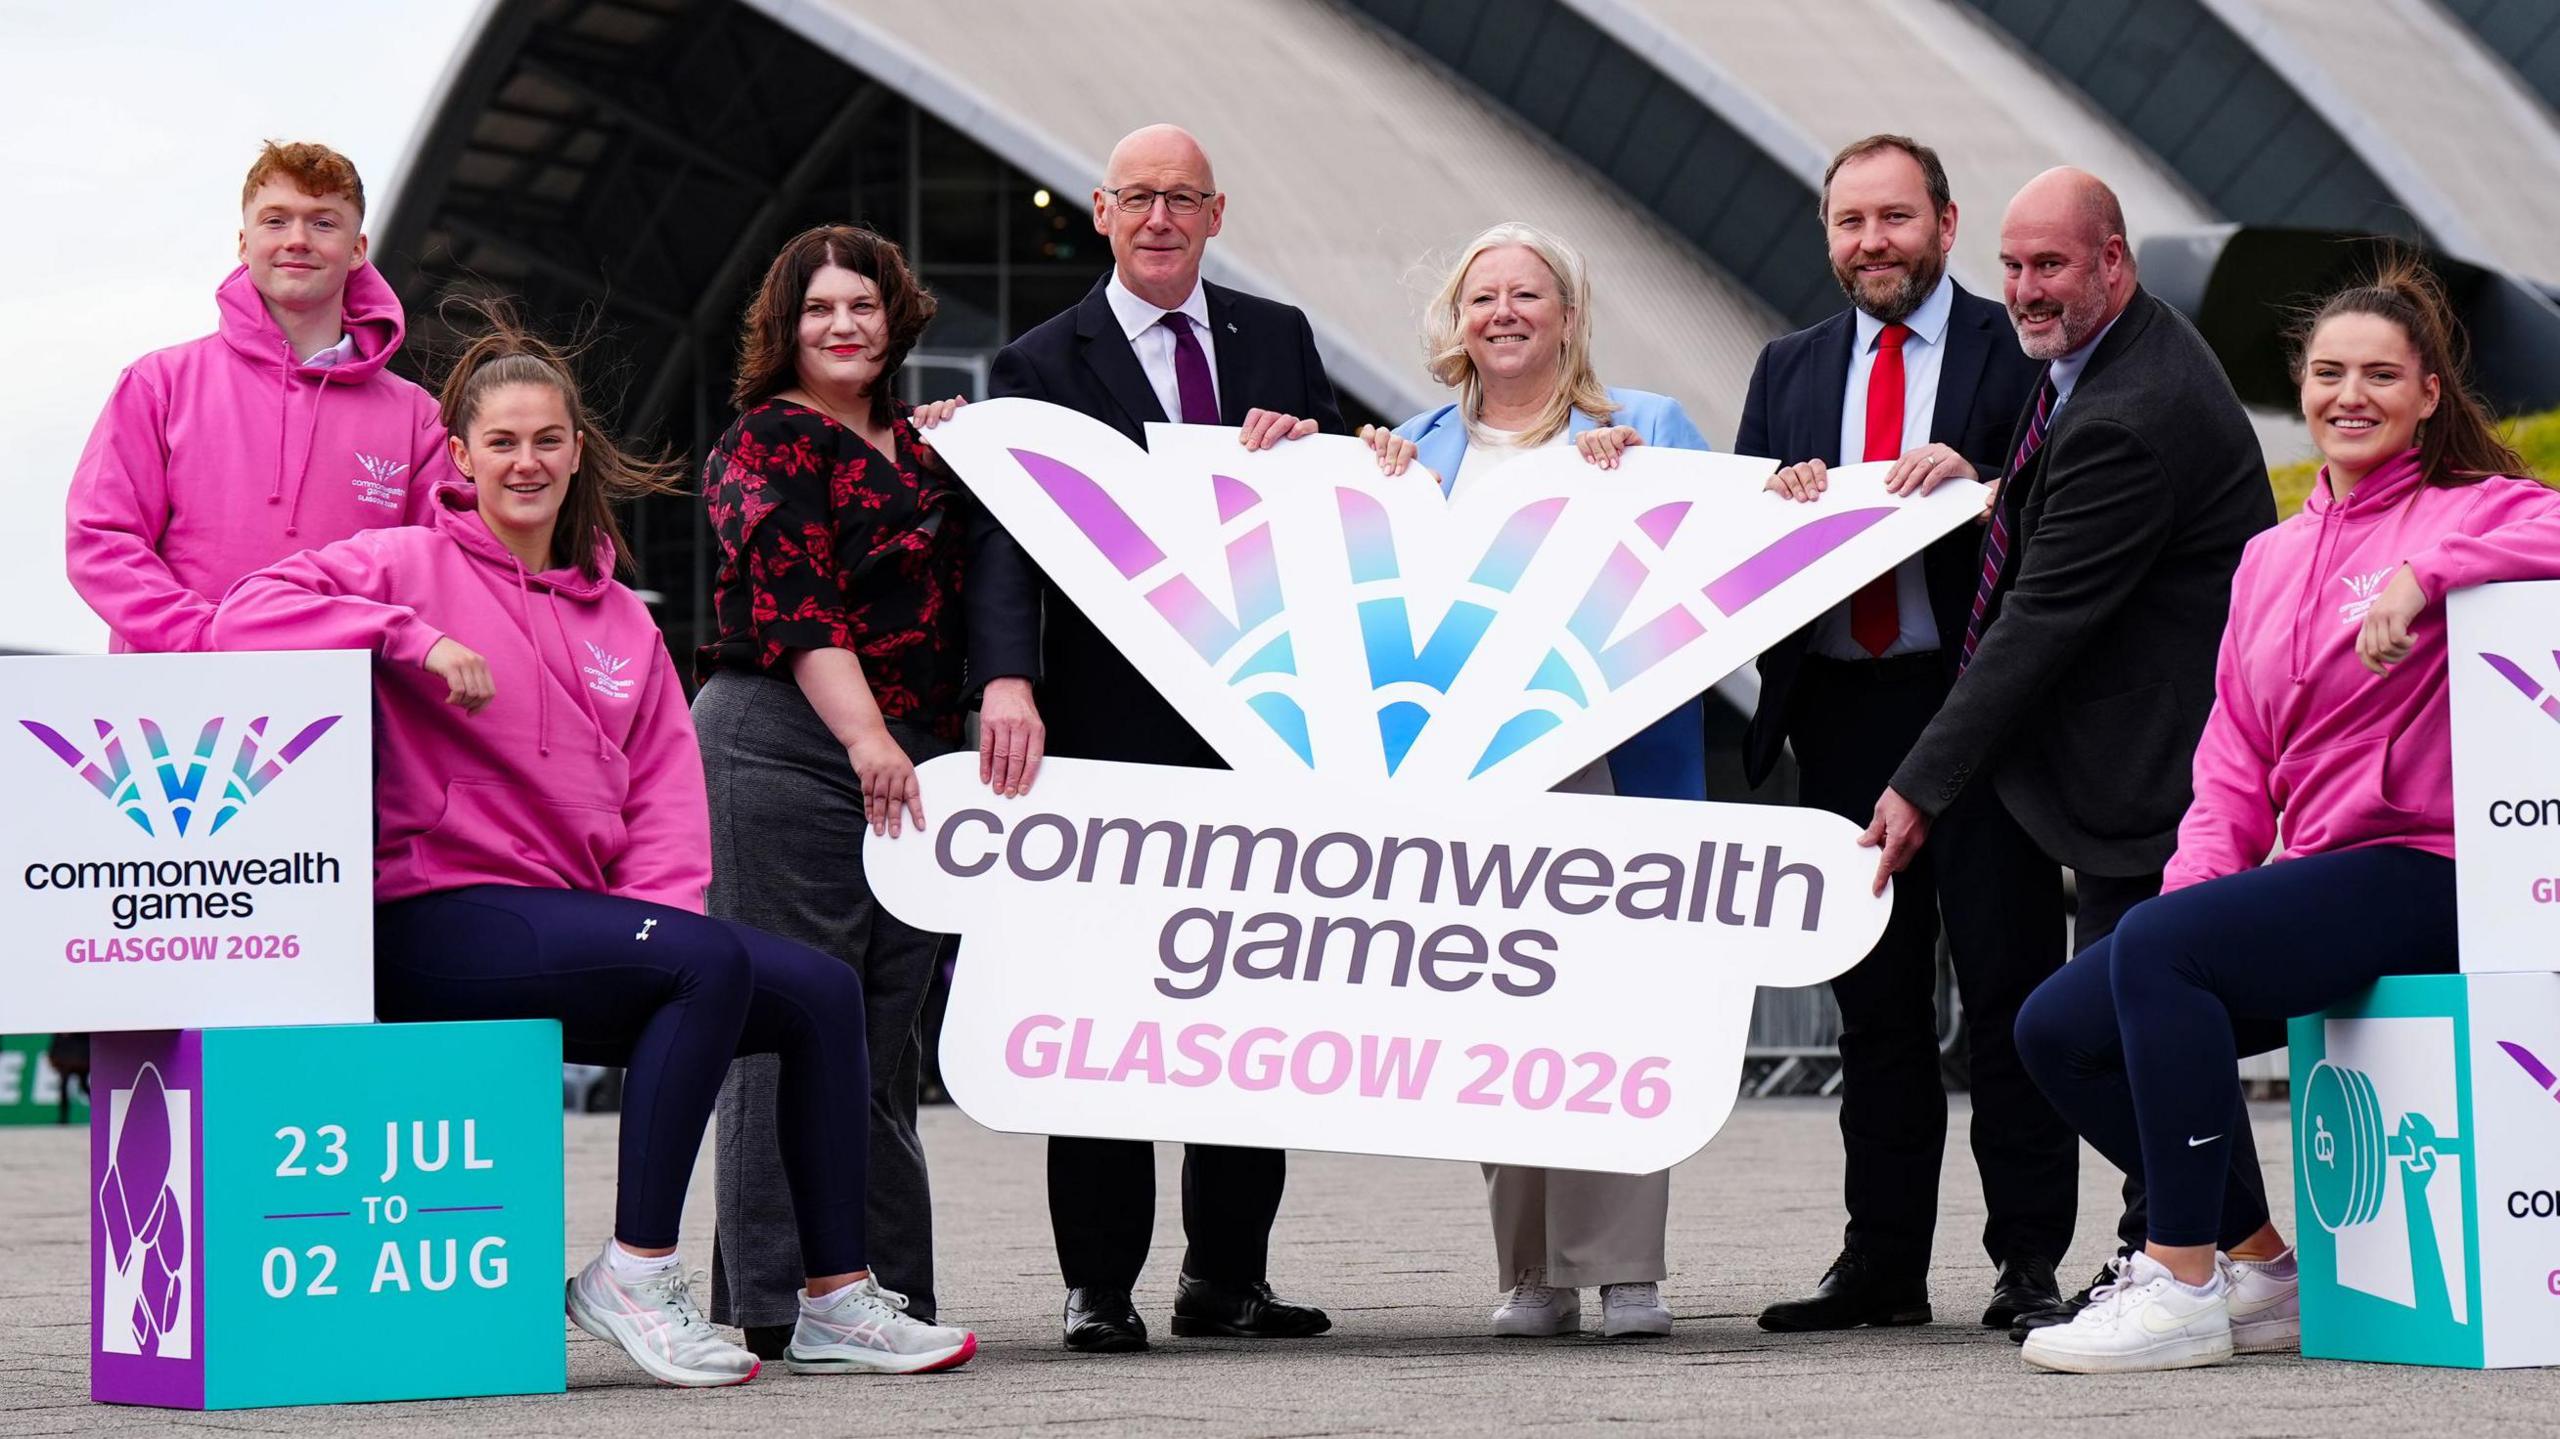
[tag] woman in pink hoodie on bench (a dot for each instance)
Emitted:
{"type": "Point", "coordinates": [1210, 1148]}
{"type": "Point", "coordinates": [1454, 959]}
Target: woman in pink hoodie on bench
{"type": "Point", "coordinates": [2329, 732]}
{"type": "Point", "coordinates": [542, 846]}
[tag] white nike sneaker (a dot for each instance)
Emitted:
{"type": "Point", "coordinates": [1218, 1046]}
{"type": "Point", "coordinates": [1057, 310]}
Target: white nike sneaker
{"type": "Point", "coordinates": [1534, 1311]}
{"type": "Point", "coordinates": [864, 1328]}
{"type": "Point", "coordinates": [2266, 1304]}
{"type": "Point", "coordinates": [657, 1324]}
{"type": "Point", "coordinates": [2146, 1320]}
{"type": "Point", "coordinates": [1633, 1311]}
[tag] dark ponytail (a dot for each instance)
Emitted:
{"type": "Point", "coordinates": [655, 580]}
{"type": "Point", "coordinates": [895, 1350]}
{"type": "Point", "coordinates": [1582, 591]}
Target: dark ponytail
{"type": "Point", "coordinates": [502, 352]}
{"type": "Point", "coordinates": [2459, 444]}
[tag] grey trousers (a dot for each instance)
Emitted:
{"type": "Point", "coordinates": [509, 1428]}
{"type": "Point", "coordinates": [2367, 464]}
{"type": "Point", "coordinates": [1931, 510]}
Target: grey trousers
{"type": "Point", "coordinates": [1572, 1228]}
{"type": "Point", "coordinates": [1569, 1227]}
{"type": "Point", "coordinates": [786, 857]}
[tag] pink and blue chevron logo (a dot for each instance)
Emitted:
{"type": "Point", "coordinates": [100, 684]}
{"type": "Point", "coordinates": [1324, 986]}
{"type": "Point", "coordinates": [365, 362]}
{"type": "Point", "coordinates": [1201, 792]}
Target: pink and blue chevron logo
{"type": "Point", "coordinates": [2534, 691]}
{"type": "Point", "coordinates": [171, 784]}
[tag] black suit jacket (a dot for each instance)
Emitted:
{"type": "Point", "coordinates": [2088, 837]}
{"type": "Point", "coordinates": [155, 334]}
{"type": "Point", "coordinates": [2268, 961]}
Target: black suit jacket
{"type": "Point", "coordinates": [1792, 414]}
{"type": "Point", "coordinates": [2084, 702]}
{"type": "Point", "coordinates": [1096, 705]}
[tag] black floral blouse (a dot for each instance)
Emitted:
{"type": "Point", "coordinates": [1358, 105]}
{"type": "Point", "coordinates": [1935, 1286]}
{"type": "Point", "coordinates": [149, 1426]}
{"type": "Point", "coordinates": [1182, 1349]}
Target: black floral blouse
{"type": "Point", "coordinates": [825, 543]}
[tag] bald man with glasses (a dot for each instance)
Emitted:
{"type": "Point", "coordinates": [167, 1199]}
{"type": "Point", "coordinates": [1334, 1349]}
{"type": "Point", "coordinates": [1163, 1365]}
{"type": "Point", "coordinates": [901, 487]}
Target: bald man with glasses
{"type": "Point", "coordinates": [1152, 341]}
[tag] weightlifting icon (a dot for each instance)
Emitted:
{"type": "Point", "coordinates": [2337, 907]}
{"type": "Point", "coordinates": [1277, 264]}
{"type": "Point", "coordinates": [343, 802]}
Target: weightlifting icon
{"type": "Point", "coordinates": [2347, 1155]}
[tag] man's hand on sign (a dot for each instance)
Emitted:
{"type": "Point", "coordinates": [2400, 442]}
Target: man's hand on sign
{"type": "Point", "coordinates": [2384, 640]}
{"type": "Point", "coordinates": [1899, 829]}
{"type": "Point", "coordinates": [1926, 468]}
{"type": "Point", "coordinates": [1265, 428]}
{"type": "Point", "coordinates": [1802, 482]}
{"type": "Point", "coordinates": [890, 793]}
{"type": "Point", "coordinates": [464, 672]}
{"type": "Point", "coordinates": [1010, 736]}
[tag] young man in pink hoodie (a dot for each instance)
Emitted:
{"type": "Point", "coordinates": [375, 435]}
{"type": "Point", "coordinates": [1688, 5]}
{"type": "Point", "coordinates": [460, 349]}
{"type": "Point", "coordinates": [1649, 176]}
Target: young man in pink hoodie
{"type": "Point", "coordinates": [542, 844]}
{"type": "Point", "coordinates": [281, 432]}
{"type": "Point", "coordinates": [2330, 735]}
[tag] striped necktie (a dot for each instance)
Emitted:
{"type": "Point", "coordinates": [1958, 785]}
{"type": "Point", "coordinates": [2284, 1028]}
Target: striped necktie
{"type": "Point", "coordinates": [1995, 549]}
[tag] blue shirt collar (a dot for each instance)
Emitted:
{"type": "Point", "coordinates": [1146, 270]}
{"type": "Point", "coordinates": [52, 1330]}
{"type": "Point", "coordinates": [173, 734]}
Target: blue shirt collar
{"type": "Point", "coordinates": [2065, 372]}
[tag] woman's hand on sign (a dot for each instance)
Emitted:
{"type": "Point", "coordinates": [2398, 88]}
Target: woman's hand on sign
{"type": "Point", "coordinates": [1010, 736]}
{"type": "Point", "coordinates": [1395, 452]}
{"type": "Point", "coordinates": [2384, 640]}
{"type": "Point", "coordinates": [464, 672]}
{"type": "Point", "coordinates": [1603, 446]}
{"type": "Point", "coordinates": [890, 794]}
{"type": "Point", "coordinates": [1804, 482]}
{"type": "Point", "coordinates": [1265, 428]}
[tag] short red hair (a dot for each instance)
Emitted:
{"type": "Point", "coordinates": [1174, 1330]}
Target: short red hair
{"type": "Point", "coordinates": [315, 170]}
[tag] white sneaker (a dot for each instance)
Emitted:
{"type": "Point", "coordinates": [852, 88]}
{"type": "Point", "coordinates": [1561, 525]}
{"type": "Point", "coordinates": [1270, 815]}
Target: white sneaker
{"type": "Point", "coordinates": [865, 1327]}
{"type": "Point", "coordinates": [2266, 1304]}
{"type": "Point", "coordinates": [1633, 1311]}
{"type": "Point", "coordinates": [1534, 1311]}
{"type": "Point", "coordinates": [2146, 1320]}
{"type": "Point", "coordinates": [657, 1324]}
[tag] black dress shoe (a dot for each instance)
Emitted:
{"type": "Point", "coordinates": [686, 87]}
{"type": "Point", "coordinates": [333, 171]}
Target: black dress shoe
{"type": "Point", "coordinates": [1856, 1290]}
{"type": "Point", "coordinates": [1104, 1321]}
{"type": "Point", "coordinates": [1207, 1308]}
{"type": "Point", "coordinates": [2025, 1286]}
{"type": "Point", "coordinates": [767, 1341]}
{"type": "Point", "coordinates": [2062, 1311]}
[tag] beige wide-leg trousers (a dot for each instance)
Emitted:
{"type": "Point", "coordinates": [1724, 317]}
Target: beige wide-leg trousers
{"type": "Point", "coordinates": [1575, 1227]}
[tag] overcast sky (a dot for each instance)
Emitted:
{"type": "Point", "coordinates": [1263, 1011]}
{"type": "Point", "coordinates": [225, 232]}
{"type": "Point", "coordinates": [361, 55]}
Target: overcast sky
{"type": "Point", "coordinates": [126, 126]}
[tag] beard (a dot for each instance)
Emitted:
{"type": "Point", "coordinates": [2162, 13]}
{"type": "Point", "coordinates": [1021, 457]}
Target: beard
{"type": "Point", "coordinates": [2080, 318]}
{"type": "Point", "coordinates": [1889, 298]}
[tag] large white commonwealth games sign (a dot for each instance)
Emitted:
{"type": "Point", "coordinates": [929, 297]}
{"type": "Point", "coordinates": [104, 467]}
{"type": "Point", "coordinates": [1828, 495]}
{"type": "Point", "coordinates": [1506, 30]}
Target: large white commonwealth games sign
{"type": "Point", "coordinates": [1381, 932]}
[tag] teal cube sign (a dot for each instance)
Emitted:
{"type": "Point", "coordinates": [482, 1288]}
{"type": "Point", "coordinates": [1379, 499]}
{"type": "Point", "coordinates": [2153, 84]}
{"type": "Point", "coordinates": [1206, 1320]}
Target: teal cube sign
{"type": "Point", "coordinates": [2426, 1119]}
{"type": "Point", "coordinates": [326, 1214]}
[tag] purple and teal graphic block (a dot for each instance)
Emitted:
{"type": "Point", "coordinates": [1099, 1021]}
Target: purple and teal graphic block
{"type": "Point", "coordinates": [325, 1214]}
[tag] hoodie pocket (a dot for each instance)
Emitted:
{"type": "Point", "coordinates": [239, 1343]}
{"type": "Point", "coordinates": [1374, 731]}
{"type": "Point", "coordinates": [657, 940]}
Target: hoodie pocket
{"type": "Point", "coordinates": [2340, 796]}
{"type": "Point", "coordinates": [491, 829]}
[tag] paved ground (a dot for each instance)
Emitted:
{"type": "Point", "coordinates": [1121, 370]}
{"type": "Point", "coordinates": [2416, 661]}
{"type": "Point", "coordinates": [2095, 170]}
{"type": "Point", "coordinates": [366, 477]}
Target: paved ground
{"type": "Point", "coordinates": [1398, 1251]}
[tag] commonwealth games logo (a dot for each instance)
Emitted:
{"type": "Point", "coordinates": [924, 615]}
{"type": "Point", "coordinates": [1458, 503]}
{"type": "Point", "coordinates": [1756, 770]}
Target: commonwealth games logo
{"type": "Point", "coordinates": [180, 778]}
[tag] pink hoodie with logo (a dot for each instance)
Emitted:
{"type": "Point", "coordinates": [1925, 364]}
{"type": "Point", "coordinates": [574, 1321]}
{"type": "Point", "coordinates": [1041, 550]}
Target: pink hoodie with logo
{"type": "Point", "coordinates": [226, 454]}
{"type": "Point", "coordinates": [2303, 737]}
{"type": "Point", "coordinates": [582, 773]}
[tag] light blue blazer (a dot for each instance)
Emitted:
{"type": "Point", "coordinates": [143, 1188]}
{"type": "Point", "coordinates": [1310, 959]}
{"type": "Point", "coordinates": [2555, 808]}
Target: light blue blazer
{"type": "Point", "coordinates": [1667, 759]}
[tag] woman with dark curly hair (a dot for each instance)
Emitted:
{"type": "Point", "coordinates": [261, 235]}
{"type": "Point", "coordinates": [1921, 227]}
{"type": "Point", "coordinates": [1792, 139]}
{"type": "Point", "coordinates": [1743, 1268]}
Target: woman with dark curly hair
{"type": "Point", "coordinates": [832, 671]}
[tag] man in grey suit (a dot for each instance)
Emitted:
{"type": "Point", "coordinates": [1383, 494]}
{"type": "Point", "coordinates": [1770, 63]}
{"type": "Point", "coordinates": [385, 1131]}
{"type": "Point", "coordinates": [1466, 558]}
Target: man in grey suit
{"type": "Point", "coordinates": [2086, 668]}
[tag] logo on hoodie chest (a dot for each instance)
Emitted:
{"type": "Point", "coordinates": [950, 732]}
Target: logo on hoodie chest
{"type": "Point", "coordinates": [604, 673]}
{"type": "Point", "coordinates": [379, 484]}
{"type": "Point", "coordinates": [2366, 589]}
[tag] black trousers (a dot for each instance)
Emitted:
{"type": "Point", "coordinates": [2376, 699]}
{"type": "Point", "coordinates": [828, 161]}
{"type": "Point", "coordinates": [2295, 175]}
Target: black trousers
{"type": "Point", "coordinates": [2002, 902]}
{"type": "Point", "coordinates": [1102, 1207]}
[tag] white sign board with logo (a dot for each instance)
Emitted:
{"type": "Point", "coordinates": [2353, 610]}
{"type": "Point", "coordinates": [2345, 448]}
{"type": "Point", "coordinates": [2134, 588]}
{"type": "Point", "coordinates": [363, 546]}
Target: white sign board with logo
{"type": "Point", "coordinates": [187, 843]}
{"type": "Point", "coordinates": [2504, 671]}
{"type": "Point", "coordinates": [1381, 933]}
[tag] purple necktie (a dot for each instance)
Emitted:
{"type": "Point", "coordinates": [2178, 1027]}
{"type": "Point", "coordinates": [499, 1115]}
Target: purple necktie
{"type": "Point", "coordinates": [1995, 546]}
{"type": "Point", "coordinates": [1191, 371]}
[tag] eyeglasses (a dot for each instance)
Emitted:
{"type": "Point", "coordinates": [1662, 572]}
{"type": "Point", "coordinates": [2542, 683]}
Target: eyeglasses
{"type": "Point", "coordinates": [1136, 200]}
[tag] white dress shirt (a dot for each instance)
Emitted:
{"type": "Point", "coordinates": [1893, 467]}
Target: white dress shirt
{"type": "Point", "coordinates": [1141, 322]}
{"type": "Point", "coordinates": [1924, 353]}
{"type": "Point", "coordinates": [334, 356]}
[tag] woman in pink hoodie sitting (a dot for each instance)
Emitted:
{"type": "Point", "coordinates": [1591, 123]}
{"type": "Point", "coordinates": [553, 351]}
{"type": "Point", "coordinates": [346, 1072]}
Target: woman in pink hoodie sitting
{"type": "Point", "coordinates": [543, 844]}
{"type": "Point", "coordinates": [2330, 731]}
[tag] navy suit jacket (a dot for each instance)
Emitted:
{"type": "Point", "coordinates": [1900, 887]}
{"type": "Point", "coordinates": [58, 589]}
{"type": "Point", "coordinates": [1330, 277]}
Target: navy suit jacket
{"type": "Point", "coordinates": [1095, 703]}
{"type": "Point", "coordinates": [1792, 414]}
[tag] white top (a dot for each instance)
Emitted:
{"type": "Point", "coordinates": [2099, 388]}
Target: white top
{"type": "Point", "coordinates": [1924, 353]}
{"type": "Point", "coordinates": [334, 356]}
{"type": "Point", "coordinates": [1141, 322]}
{"type": "Point", "coordinates": [1489, 449]}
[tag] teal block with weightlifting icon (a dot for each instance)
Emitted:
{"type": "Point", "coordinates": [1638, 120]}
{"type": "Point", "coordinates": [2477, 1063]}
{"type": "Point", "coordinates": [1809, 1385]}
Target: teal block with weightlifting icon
{"type": "Point", "coordinates": [2426, 1128]}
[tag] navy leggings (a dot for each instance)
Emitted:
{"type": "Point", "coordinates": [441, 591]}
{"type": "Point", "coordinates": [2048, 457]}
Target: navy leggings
{"type": "Point", "coordinates": [672, 997]}
{"type": "Point", "coordinates": [2137, 1041]}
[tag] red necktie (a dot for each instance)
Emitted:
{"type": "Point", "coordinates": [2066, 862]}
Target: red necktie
{"type": "Point", "coordinates": [1875, 611]}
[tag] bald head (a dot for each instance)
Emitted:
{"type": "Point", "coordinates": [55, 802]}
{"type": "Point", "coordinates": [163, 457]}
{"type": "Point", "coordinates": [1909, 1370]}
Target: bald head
{"type": "Point", "coordinates": [1157, 247]}
{"type": "Point", "coordinates": [2069, 268]}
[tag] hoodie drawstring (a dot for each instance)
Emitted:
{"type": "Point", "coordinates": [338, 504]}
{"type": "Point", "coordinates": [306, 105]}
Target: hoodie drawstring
{"type": "Point", "coordinates": [310, 438]}
{"type": "Point", "coordinates": [2301, 648]}
{"type": "Point", "coordinates": [541, 695]}
{"type": "Point", "coordinates": [603, 751]}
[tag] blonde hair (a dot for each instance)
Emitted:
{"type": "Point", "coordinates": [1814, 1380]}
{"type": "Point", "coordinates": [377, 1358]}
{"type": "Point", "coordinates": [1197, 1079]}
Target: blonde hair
{"type": "Point", "coordinates": [1444, 335]}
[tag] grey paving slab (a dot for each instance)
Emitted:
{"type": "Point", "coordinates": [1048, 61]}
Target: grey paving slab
{"type": "Point", "coordinates": [1398, 1251]}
